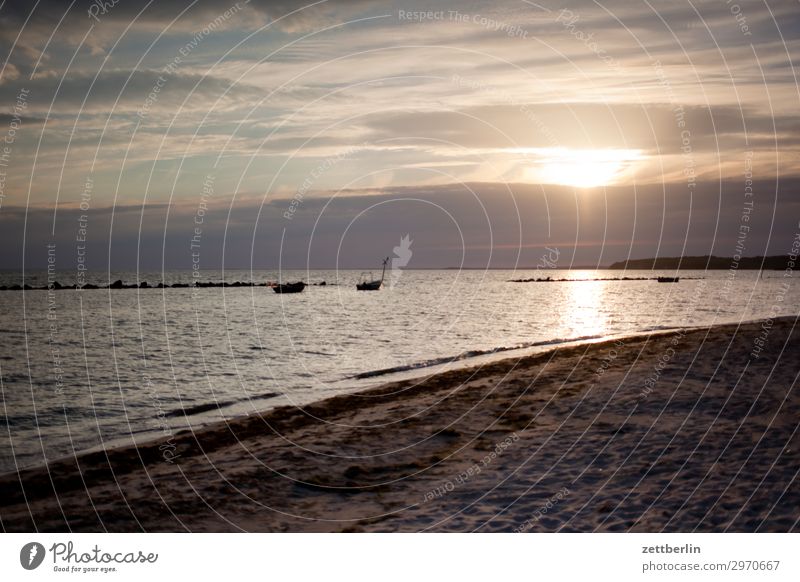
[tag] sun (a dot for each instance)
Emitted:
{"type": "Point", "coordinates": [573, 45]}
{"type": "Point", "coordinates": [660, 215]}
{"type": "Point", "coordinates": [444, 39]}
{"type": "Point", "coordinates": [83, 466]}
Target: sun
{"type": "Point", "coordinates": [578, 168]}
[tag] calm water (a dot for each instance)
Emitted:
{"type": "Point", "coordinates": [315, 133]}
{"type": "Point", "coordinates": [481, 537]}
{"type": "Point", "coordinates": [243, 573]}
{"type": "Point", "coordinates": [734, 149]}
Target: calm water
{"type": "Point", "coordinates": [97, 367]}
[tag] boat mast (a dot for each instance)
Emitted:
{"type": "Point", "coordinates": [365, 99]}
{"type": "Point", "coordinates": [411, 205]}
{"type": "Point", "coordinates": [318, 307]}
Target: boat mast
{"type": "Point", "coordinates": [386, 260]}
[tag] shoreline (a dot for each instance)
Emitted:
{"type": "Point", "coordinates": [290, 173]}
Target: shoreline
{"type": "Point", "coordinates": [370, 380]}
{"type": "Point", "coordinates": [367, 381]}
{"type": "Point", "coordinates": [411, 455]}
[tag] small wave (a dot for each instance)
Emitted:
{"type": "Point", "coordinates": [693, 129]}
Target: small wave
{"type": "Point", "coordinates": [659, 328]}
{"type": "Point", "coordinates": [264, 396]}
{"type": "Point", "coordinates": [199, 409]}
{"type": "Point", "coordinates": [467, 355]}
{"type": "Point", "coordinates": [209, 406]}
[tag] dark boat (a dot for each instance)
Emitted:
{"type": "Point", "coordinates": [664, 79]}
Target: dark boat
{"type": "Point", "coordinates": [289, 287]}
{"type": "Point", "coordinates": [668, 279]}
{"type": "Point", "coordinates": [369, 284]}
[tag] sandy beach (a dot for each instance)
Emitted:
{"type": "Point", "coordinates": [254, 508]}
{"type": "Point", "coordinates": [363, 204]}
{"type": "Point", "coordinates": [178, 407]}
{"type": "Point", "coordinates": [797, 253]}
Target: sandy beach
{"type": "Point", "coordinates": [677, 431]}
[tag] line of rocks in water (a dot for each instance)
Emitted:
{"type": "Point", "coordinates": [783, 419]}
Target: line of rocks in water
{"type": "Point", "coordinates": [145, 285]}
{"type": "Point", "coordinates": [551, 280]}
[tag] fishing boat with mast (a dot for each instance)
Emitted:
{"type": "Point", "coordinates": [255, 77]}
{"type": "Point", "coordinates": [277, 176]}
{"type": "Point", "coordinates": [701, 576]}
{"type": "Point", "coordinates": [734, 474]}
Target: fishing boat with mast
{"type": "Point", "coordinates": [368, 283]}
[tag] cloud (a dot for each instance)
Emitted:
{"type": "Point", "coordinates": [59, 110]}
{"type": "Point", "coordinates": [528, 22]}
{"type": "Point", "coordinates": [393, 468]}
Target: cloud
{"type": "Point", "coordinates": [127, 90]}
{"type": "Point", "coordinates": [10, 73]}
{"type": "Point", "coordinates": [24, 121]}
{"type": "Point", "coordinates": [652, 127]}
{"type": "Point", "coordinates": [74, 20]}
{"type": "Point", "coordinates": [426, 102]}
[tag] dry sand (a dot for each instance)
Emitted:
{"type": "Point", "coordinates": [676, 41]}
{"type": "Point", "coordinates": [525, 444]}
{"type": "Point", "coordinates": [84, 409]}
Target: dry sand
{"type": "Point", "coordinates": [673, 432]}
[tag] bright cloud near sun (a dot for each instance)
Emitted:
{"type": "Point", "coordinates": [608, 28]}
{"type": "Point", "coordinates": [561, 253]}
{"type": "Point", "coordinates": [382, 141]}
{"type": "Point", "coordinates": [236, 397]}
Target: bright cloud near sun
{"type": "Point", "coordinates": [579, 168]}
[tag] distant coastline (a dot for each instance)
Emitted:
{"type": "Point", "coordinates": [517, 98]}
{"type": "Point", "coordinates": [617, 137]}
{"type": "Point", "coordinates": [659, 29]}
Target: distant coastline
{"type": "Point", "coordinates": [706, 263]}
{"type": "Point", "coordinates": [691, 263]}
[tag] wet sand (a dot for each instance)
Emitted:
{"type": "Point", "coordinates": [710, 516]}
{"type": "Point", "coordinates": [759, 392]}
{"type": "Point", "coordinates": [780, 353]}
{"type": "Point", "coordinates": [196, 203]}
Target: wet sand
{"type": "Point", "coordinates": [680, 431]}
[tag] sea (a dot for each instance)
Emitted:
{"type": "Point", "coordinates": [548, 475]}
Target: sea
{"type": "Point", "coordinates": [85, 369]}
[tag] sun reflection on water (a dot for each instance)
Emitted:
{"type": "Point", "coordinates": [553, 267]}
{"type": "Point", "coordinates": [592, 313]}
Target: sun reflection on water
{"type": "Point", "coordinates": [584, 313]}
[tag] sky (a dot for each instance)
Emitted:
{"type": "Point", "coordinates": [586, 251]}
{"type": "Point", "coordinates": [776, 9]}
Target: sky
{"type": "Point", "coordinates": [293, 134]}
